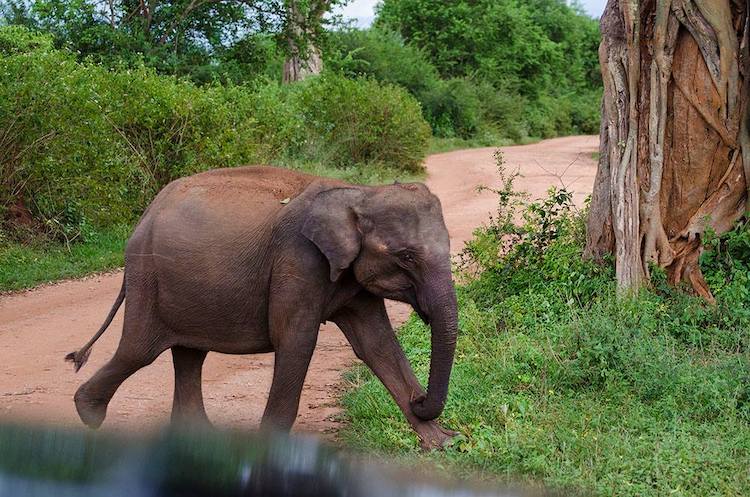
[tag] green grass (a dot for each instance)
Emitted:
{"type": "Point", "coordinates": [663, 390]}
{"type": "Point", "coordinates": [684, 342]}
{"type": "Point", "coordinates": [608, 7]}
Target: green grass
{"type": "Point", "coordinates": [559, 382]}
{"type": "Point", "coordinates": [25, 266]}
{"type": "Point", "coordinates": [660, 420]}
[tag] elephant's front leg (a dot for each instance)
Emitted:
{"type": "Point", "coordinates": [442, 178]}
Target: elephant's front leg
{"type": "Point", "coordinates": [294, 337]}
{"type": "Point", "coordinates": [367, 327]}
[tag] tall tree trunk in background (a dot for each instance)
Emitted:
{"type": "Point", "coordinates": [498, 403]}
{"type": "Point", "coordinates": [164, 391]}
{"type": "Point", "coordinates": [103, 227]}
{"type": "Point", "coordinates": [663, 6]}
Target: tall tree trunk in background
{"type": "Point", "coordinates": [303, 22]}
{"type": "Point", "coordinates": [675, 149]}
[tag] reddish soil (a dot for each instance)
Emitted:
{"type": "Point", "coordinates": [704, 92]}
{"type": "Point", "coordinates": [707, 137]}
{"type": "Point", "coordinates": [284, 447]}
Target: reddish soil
{"type": "Point", "coordinates": [38, 327]}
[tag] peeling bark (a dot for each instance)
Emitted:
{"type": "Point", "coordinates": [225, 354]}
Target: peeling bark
{"type": "Point", "coordinates": [675, 151]}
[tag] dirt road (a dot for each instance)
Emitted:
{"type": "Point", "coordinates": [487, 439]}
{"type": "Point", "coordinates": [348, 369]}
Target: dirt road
{"type": "Point", "coordinates": [37, 328]}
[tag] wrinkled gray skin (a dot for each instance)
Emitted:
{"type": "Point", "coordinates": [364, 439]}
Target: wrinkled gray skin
{"type": "Point", "coordinates": [221, 262]}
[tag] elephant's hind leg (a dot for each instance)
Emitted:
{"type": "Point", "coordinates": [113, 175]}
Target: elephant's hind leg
{"type": "Point", "coordinates": [187, 405]}
{"type": "Point", "coordinates": [92, 397]}
{"type": "Point", "coordinates": [144, 337]}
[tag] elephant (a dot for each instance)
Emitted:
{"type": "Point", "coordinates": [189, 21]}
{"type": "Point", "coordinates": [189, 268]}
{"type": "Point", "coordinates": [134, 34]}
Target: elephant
{"type": "Point", "coordinates": [253, 259]}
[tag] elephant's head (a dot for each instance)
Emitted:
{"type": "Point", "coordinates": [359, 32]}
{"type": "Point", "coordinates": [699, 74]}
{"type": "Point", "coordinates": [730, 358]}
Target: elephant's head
{"type": "Point", "coordinates": [395, 241]}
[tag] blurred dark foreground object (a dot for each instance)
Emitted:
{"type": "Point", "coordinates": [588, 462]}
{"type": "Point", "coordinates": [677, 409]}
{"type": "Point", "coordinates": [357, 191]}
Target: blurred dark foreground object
{"type": "Point", "coordinates": [61, 463]}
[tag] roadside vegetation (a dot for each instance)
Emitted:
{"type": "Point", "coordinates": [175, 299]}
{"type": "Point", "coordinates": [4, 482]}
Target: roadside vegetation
{"type": "Point", "coordinates": [98, 113]}
{"type": "Point", "coordinates": [559, 380]}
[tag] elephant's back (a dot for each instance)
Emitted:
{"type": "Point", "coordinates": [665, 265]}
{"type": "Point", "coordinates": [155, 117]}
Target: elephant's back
{"type": "Point", "coordinates": [232, 201]}
{"type": "Point", "coordinates": [217, 210]}
{"type": "Point", "coordinates": [253, 185]}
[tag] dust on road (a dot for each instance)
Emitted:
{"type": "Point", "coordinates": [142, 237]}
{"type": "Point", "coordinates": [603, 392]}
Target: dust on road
{"type": "Point", "coordinates": [37, 328]}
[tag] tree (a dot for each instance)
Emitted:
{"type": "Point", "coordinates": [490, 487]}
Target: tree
{"type": "Point", "coordinates": [303, 22]}
{"type": "Point", "coordinates": [530, 46]}
{"type": "Point", "coordinates": [183, 37]}
{"type": "Point", "coordinates": [675, 150]}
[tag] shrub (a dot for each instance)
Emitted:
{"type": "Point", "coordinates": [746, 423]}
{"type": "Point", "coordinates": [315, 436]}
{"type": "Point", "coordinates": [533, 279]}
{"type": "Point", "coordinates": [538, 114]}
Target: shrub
{"type": "Point", "coordinates": [464, 107]}
{"type": "Point", "coordinates": [382, 55]}
{"type": "Point", "coordinates": [89, 146]}
{"type": "Point", "coordinates": [83, 147]}
{"type": "Point", "coordinates": [726, 266]}
{"type": "Point", "coordinates": [256, 56]}
{"type": "Point", "coordinates": [503, 111]}
{"type": "Point", "coordinates": [17, 39]}
{"type": "Point", "coordinates": [585, 111]}
{"type": "Point", "coordinates": [362, 121]}
{"type": "Point", "coordinates": [60, 160]}
{"type": "Point", "coordinates": [453, 108]}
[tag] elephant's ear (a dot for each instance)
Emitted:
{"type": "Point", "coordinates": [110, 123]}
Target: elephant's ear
{"type": "Point", "coordinates": [331, 225]}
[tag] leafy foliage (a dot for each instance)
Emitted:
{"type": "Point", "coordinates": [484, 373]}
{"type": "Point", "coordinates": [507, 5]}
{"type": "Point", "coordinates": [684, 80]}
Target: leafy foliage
{"type": "Point", "coordinates": [383, 55]}
{"type": "Point", "coordinates": [543, 53]}
{"type": "Point", "coordinates": [466, 106]}
{"type": "Point", "coordinates": [362, 121]}
{"type": "Point", "coordinates": [726, 266]}
{"type": "Point", "coordinates": [201, 39]}
{"type": "Point", "coordinates": [84, 148]}
{"type": "Point", "coordinates": [531, 46]}
{"type": "Point", "coordinates": [557, 379]}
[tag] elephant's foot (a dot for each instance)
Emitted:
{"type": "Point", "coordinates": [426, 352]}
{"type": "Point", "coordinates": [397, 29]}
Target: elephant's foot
{"type": "Point", "coordinates": [433, 436]}
{"type": "Point", "coordinates": [196, 419]}
{"type": "Point", "coordinates": [92, 412]}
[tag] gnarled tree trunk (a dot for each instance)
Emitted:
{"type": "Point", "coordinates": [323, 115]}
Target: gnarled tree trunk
{"type": "Point", "coordinates": [675, 151]}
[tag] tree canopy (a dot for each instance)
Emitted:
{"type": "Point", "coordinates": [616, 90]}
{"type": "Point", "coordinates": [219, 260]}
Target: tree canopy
{"type": "Point", "coordinates": [530, 46]}
{"type": "Point", "coordinates": [203, 39]}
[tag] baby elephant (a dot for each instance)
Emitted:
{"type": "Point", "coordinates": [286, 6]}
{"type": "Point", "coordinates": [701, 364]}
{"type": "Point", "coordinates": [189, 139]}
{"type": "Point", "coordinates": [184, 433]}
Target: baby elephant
{"type": "Point", "coordinates": [254, 259]}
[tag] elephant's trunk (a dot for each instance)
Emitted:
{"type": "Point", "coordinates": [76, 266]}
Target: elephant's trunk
{"type": "Point", "coordinates": [442, 309]}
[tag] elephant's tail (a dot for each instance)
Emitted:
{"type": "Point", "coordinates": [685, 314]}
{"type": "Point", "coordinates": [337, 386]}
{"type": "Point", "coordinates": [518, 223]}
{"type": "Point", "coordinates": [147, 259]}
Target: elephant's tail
{"type": "Point", "coordinates": [79, 357]}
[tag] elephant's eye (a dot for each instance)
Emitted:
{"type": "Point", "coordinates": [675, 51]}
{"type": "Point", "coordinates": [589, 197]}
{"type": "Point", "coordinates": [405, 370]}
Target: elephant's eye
{"type": "Point", "coordinates": [407, 257]}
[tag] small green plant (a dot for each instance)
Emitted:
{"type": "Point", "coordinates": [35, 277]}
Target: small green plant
{"type": "Point", "coordinates": [726, 265]}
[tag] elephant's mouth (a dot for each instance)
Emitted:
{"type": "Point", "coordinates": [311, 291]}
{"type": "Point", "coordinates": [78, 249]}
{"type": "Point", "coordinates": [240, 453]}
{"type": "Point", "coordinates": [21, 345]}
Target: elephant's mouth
{"type": "Point", "coordinates": [414, 302]}
{"type": "Point", "coordinates": [422, 315]}
{"type": "Point", "coordinates": [409, 296]}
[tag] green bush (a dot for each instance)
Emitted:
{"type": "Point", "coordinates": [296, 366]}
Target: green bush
{"type": "Point", "coordinates": [531, 47]}
{"type": "Point", "coordinates": [380, 54]}
{"type": "Point", "coordinates": [726, 266]}
{"type": "Point", "coordinates": [474, 104]}
{"type": "Point", "coordinates": [17, 39]}
{"type": "Point", "coordinates": [362, 121]}
{"type": "Point", "coordinates": [534, 62]}
{"type": "Point", "coordinates": [60, 159]}
{"type": "Point", "coordinates": [254, 57]}
{"type": "Point", "coordinates": [84, 147]}
{"type": "Point", "coordinates": [453, 108]}
{"type": "Point", "coordinates": [585, 111]}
